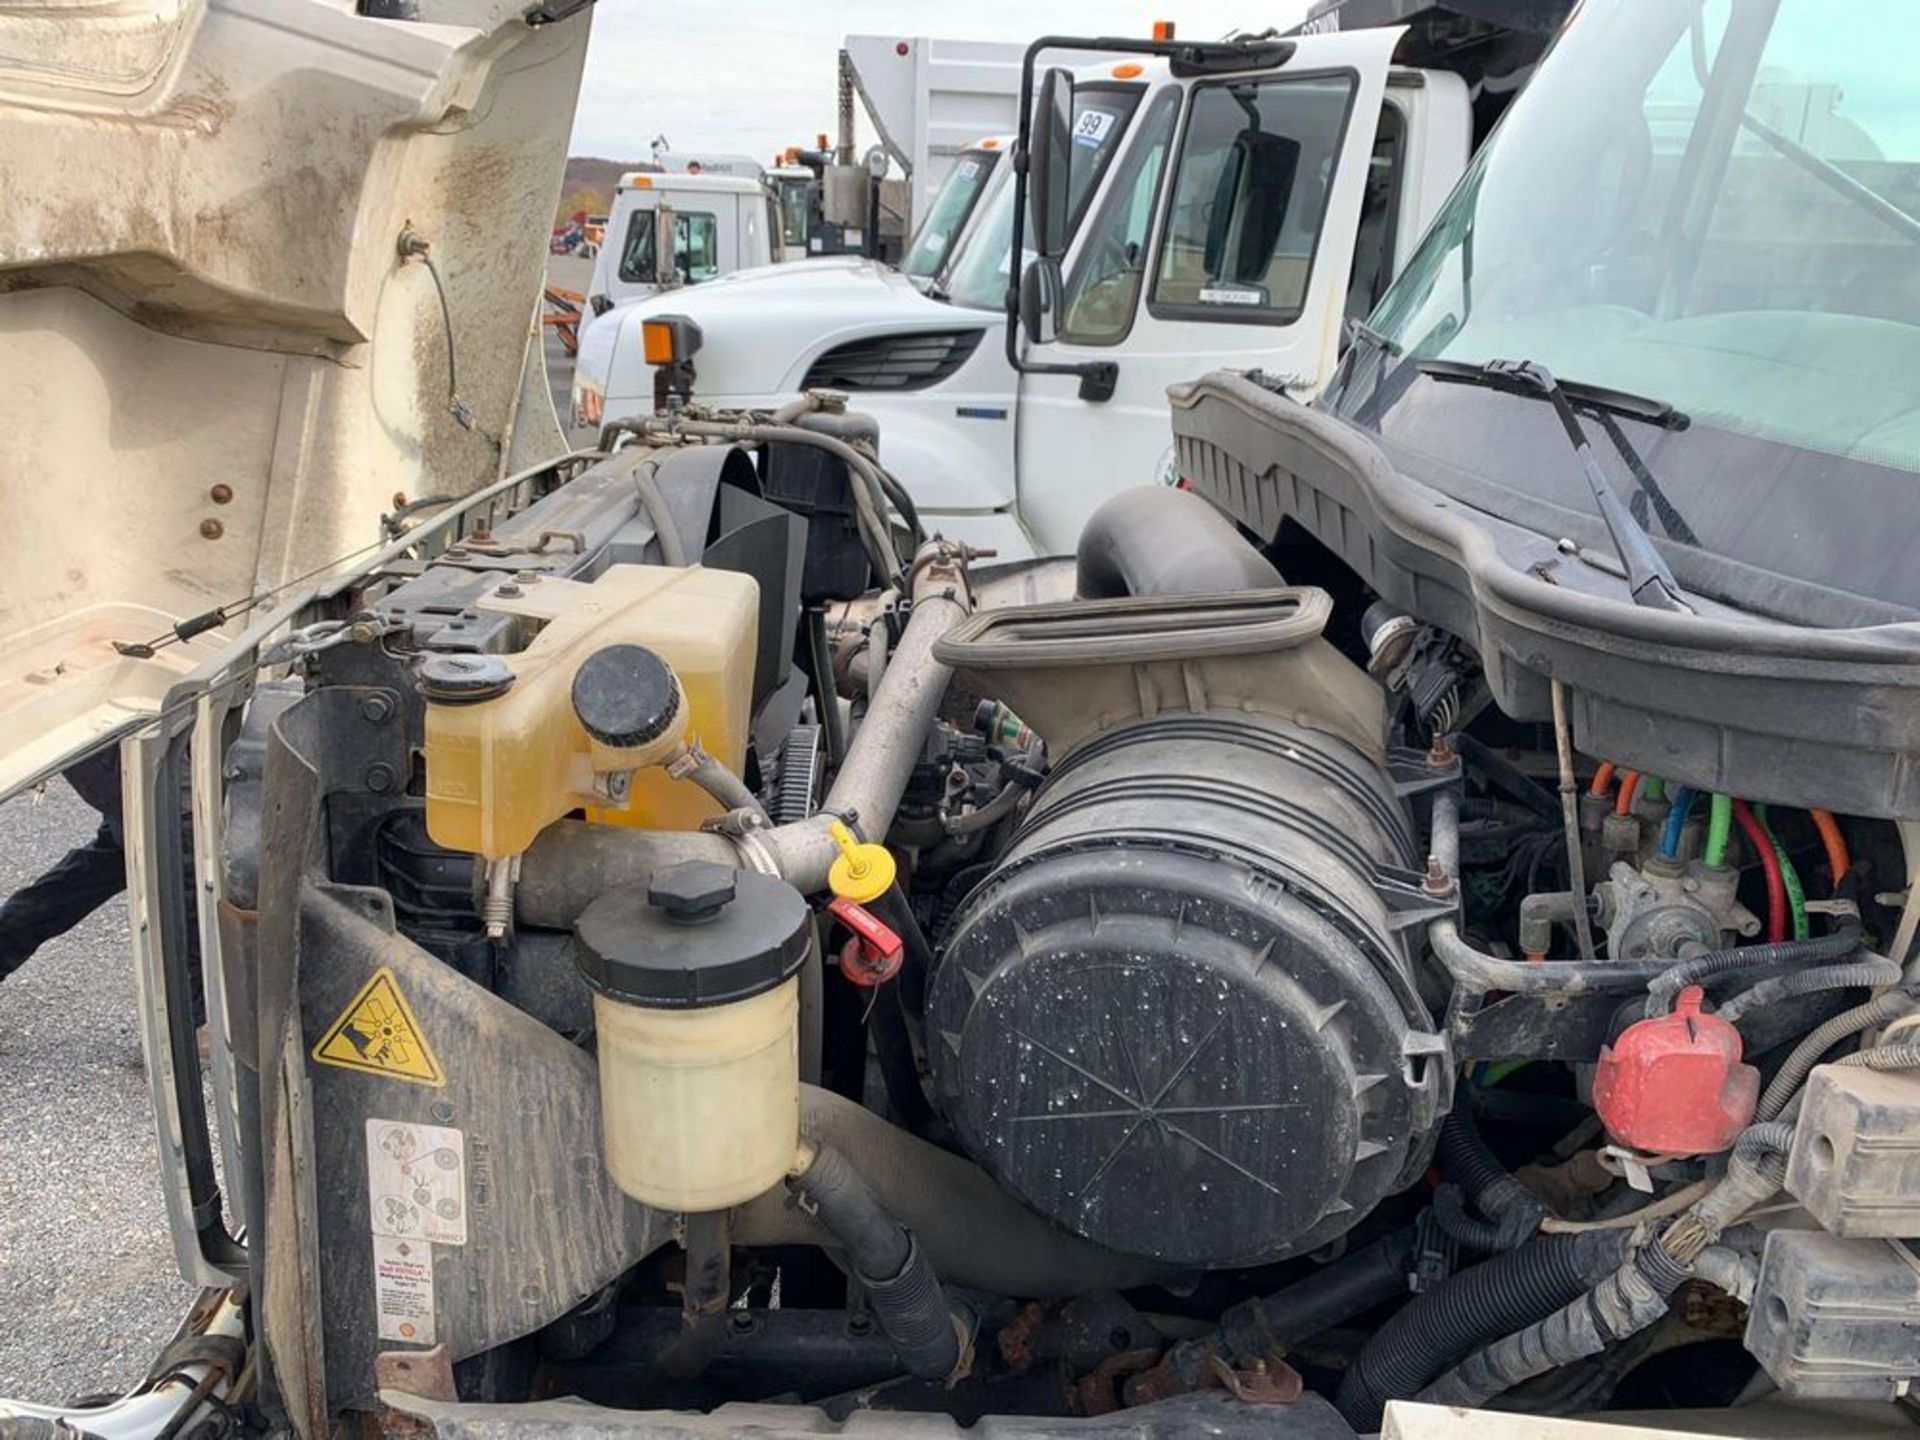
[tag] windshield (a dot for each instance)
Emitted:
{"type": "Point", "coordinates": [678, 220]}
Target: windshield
{"type": "Point", "coordinates": [977, 277]}
{"type": "Point", "coordinates": [933, 242]}
{"type": "Point", "coordinates": [793, 213]}
{"type": "Point", "coordinates": [1713, 204]}
{"type": "Point", "coordinates": [696, 248]}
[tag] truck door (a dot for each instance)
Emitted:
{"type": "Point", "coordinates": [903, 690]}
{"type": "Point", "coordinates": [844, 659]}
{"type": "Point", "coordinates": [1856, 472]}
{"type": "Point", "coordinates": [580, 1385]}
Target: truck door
{"type": "Point", "coordinates": [1225, 241]}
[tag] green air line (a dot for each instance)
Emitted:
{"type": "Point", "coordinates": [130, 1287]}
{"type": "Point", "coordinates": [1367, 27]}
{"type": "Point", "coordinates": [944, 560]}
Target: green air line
{"type": "Point", "coordinates": [1789, 877]}
{"type": "Point", "coordinates": [1653, 787]}
{"type": "Point", "coordinates": [1719, 829]}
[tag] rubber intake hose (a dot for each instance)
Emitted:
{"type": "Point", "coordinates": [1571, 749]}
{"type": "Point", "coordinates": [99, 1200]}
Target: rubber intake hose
{"type": "Point", "coordinates": [1157, 541]}
{"type": "Point", "coordinates": [1466, 1160]}
{"type": "Point", "coordinates": [901, 1287]}
{"type": "Point", "coordinates": [1474, 1308]}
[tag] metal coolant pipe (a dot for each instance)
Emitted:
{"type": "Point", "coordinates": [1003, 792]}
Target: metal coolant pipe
{"type": "Point", "coordinates": [571, 864]}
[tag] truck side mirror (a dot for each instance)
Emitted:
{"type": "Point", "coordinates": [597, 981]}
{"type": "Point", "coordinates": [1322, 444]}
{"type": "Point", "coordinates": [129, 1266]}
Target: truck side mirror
{"type": "Point", "coordinates": [1040, 292]}
{"type": "Point", "coordinates": [1049, 163]}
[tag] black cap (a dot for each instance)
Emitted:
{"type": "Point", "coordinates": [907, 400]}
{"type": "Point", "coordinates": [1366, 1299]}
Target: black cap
{"type": "Point", "coordinates": [625, 695]}
{"type": "Point", "coordinates": [459, 679]}
{"type": "Point", "coordinates": [702, 935]}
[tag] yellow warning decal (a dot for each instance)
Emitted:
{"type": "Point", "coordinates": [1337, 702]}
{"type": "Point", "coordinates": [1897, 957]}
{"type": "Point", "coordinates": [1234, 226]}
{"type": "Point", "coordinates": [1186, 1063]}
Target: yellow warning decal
{"type": "Point", "coordinates": [379, 1034]}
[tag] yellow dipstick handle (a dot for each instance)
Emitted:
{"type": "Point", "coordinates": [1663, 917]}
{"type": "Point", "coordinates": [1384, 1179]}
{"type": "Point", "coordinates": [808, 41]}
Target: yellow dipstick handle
{"type": "Point", "coordinates": [863, 871]}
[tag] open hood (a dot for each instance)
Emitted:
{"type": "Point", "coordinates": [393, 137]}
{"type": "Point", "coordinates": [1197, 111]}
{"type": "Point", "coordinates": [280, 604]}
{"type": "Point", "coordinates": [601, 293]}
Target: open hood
{"type": "Point", "coordinates": [221, 369]}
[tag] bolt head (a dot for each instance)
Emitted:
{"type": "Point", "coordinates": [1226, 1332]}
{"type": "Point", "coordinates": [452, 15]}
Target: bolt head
{"type": "Point", "coordinates": [211, 529]}
{"type": "Point", "coordinates": [221, 494]}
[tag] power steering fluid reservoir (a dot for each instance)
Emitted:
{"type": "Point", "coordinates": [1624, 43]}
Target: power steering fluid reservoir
{"type": "Point", "coordinates": [696, 1000]}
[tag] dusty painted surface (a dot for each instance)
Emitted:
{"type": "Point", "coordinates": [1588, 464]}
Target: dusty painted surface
{"type": "Point", "coordinates": [200, 286]}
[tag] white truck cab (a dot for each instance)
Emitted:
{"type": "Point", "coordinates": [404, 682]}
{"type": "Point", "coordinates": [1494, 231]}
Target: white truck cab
{"type": "Point", "coordinates": [721, 223]}
{"type": "Point", "coordinates": [818, 290]}
{"type": "Point", "coordinates": [1219, 219]}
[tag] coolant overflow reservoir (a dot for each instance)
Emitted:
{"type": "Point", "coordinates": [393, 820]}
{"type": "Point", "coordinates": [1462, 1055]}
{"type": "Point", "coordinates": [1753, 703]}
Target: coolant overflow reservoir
{"type": "Point", "coordinates": [696, 1001]}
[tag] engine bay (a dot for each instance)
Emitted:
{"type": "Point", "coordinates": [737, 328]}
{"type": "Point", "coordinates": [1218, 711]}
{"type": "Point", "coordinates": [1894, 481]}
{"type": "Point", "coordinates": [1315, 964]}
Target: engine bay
{"type": "Point", "coordinates": [696, 939]}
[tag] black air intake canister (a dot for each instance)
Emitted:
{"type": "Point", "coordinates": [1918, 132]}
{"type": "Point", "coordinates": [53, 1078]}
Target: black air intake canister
{"type": "Point", "coordinates": [1178, 1016]}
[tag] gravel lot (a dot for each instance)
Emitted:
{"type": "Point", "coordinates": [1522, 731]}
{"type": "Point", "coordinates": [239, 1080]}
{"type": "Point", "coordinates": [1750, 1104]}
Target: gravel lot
{"type": "Point", "coordinates": [86, 1263]}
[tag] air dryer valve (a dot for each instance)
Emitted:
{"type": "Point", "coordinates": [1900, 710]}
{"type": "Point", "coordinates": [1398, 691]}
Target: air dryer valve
{"type": "Point", "coordinates": [1674, 1084]}
{"type": "Point", "coordinates": [874, 953]}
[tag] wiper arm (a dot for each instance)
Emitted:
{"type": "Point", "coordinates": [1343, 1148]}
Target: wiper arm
{"type": "Point", "coordinates": [1494, 376]}
{"type": "Point", "coordinates": [1649, 579]}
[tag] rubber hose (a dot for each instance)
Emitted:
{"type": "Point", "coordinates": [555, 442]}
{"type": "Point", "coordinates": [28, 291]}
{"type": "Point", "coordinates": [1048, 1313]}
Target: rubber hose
{"type": "Point", "coordinates": [1266, 1328]}
{"type": "Point", "coordinates": [899, 1069]}
{"type": "Point", "coordinates": [1676, 823]}
{"type": "Point", "coordinates": [1155, 541]}
{"type": "Point", "coordinates": [1862, 974]}
{"type": "Point", "coordinates": [1475, 1307]}
{"type": "Point", "coordinates": [1450, 1210]}
{"type": "Point", "coordinates": [974, 1232]}
{"type": "Point", "coordinates": [902, 1289]}
{"type": "Point", "coordinates": [1839, 861]}
{"type": "Point", "coordinates": [726, 789]}
{"type": "Point", "coordinates": [1719, 830]}
{"type": "Point", "coordinates": [1756, 834]}
{"type": "Point", "coordinates": [1701, 968]}
{"type": "Point", "coordinates": [1798, 1065]}
{"type": "Point", "coordinates": [1466, 1160]}
{"type": "Point", "coordinates": [1506, 777]}
{"type": "Point", "coordinates": [673, 550]}
{"type": "Point", "coordinates": [1789, 877]}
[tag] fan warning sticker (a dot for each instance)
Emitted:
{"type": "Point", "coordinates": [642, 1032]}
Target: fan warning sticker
{"type": "Point", "coordinates": [417, 1181]}
{"type": "Point", "coordinates": [379, 1034]}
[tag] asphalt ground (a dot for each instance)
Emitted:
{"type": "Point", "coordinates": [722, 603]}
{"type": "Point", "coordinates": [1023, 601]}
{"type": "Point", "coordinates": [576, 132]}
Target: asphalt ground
{"type": "Point", "coordinates": [87, 1276]}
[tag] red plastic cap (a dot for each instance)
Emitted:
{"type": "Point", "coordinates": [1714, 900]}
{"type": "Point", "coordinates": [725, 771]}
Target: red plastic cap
{"type": "Point", "coordinates": [1674, 1085]}
{"type": "Point", "coordinates": [873, 953]}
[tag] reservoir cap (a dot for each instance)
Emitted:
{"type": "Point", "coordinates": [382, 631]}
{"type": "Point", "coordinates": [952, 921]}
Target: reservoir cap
{"type": "Point", "coordinates": [703, 934]}
{"type": "Point", "coordinates": [625, 696]}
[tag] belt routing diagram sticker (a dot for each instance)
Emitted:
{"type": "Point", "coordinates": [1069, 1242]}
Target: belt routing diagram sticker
{"type": "Point", "coordinates": [416, 1198]}
{"type": "Point", "coordinates": [378, 1034]}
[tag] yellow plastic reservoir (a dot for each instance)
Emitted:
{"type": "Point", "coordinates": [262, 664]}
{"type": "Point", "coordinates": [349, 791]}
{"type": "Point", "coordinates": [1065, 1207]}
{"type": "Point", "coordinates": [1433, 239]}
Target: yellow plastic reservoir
{"type": "Point", "coordinates": [500, 770]}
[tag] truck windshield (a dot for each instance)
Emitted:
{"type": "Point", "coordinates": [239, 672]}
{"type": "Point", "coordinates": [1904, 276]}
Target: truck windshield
{"type": "Point", "coordinates": [1714, 203]}
{"type": "Point", "coordinates": [934, 240]}
{"type": "Point", "coordinates": [696, 248]}
{"type": "Point", "coordinates": [977, 276]}
{"type": "Point", "coordinates": [793, 213]}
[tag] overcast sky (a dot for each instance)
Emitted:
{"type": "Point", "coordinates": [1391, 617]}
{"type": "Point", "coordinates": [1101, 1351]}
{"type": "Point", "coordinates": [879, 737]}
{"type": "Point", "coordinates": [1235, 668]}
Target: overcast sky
{"type": "Point", "coordinates": [754, 76]}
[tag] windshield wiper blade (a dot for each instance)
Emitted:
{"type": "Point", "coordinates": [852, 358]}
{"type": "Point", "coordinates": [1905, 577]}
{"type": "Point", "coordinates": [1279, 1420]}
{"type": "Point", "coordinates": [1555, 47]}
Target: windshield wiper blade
{"type": "Point", "coordinates": [1496, 375]}
{"type": "Point", "coordinates": [1649, 579]}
